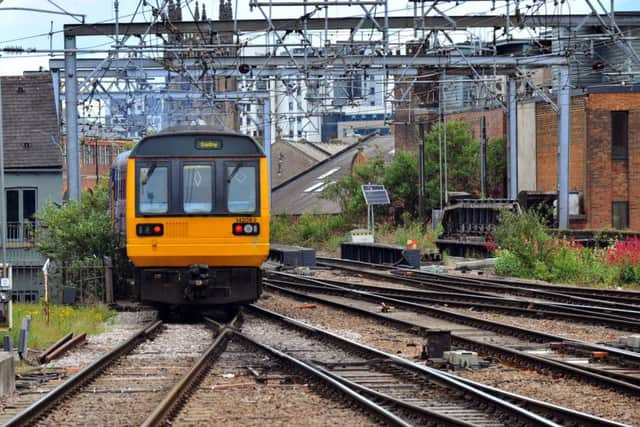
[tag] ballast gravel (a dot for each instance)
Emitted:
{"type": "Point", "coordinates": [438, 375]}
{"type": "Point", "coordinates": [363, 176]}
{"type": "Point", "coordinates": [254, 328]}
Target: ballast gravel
{"type": "Point", "coordinates": [119, 328]}
{"type": "Point", "coordinates": [547, 387]}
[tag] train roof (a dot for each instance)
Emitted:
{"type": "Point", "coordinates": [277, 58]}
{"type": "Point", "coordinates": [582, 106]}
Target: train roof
{"type": "Point", "coordinates": [198, 142]}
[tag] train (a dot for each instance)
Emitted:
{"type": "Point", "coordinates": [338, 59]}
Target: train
{"type": "Point", "coordinates": [191, 206]}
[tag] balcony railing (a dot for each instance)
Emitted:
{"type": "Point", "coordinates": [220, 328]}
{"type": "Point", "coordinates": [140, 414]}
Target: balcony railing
{"type": "Point", "coordinates": [21, 232]}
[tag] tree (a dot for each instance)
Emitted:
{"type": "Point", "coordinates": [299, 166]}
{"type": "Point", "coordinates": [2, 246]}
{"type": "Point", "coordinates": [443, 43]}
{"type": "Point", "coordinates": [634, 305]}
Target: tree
{"type": "Point", "coordinates": [463, 161]}
{"type": "Point", "coordinates": [347, 192]}
{"type": "Point", "coordinates": [79, 229]}
{"type": "Point", "coordinates": [497, 167]}
{"type": "Point", "coordinates": [401, 181]}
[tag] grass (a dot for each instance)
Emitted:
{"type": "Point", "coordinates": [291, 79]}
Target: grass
{"type": "Point", "coordinates": [326, 232]}
{"type": "Point", "coordinates": [62, 320]}
{"type": "Point", "coordinates": [423, 235]}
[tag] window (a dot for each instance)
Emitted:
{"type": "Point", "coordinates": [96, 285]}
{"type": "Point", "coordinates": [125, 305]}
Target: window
{"type": "Point", "coordinates": [152, 189]}
{"type": "Point", "coordinates": [241, 188]}
{"type": "Point", "coordinates": [197, 188]}
{"type": "Point", "coordinates": [620, 215]}
{"type": "Point", "coordinates": [619, 135]}
{"type": "Point", "coordinates": [21, 209]}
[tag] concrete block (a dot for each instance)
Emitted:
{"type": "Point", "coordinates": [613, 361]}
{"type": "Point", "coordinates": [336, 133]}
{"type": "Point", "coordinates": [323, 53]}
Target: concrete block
{"type": "Point", "coordinates": [7, 373]}
{"type": "Point", "coordinates": [361, 235]}
{"type": "Point", "coordinates": [461, 358]}
{"type": "Point", "coordinates": [632, 341]}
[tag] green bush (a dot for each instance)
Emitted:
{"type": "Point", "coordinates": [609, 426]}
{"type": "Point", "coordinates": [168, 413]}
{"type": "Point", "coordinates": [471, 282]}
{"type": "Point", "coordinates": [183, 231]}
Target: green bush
{"type": "Point", "coordinates": [527, 250]}
{"type": "Point", "coordinates": [508, 264]}
{"type": "Point", "coordinates": [525, 236]}
{"type": "Point", "coordinates": [324, 232]}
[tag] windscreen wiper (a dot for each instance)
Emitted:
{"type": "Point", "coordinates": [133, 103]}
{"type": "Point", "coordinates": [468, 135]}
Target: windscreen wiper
{"type": "Point", "coordinates": [146, 177]}
{"type": "Point", "coordinates": [234, 172]}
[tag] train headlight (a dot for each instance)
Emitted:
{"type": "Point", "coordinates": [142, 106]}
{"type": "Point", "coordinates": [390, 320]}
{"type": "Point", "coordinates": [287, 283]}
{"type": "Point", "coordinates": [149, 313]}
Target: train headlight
{"type": "Point", "coordinates": [246, 229]}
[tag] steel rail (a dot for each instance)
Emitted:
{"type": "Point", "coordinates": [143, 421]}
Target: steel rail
{"type": "Point", "coordinates": [187, 382]}
{"type": "Point", "coordinates": [509, 306]}
{"type": "Point", "coordinates": [429, 373]}
{"type": "Point", "coordinates": [42, 405]}
{"type": "Point", "coordinates": [479, 288]}
{"type": "Point", "coordinates": [626, 356]}
{"type": "Point", "coordinates": [225, 333]}
{"type": "Point", "coordinates": [462, 297]}
{"type": "Point", "coordinates": [193, 377]}
{"type": "Point", "coordinates": [367, 404]}
{"type": "Point", "coordinates": [514, 356]}
{"type": "Point", "coordinates": [613, 295]}
{"type": "Point", "coordinates": [601, 378]}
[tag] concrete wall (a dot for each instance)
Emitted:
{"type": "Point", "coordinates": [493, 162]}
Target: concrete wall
{"type": "Point", "coordinates": [26, 260]}
{"type": "Point", "coordinates": [547, 146]}
{"type": "Point", "coordinates": [48, 184]}
{"type": "Point", "coordinates": [527, 167]}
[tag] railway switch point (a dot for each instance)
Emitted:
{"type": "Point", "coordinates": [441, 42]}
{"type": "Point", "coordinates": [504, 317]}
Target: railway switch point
{"type": "Point", "coordinates": [7, 373]}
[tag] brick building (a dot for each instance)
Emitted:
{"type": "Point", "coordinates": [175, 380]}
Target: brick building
{"type": "Point", "coordinates": [604, 155]}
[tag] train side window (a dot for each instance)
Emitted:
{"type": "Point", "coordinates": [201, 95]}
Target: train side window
{"type": "Point", "coordinates": [153, 189]}
{"type": "Point", "coordinates": [241, 188]}
{"type": "Point", "coordinates": [197, 188]}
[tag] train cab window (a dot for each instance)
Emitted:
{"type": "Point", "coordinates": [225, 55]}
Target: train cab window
{"type": "Point", "coordinates": [241, 188]}
{"type": "Point", "coordinates": [153, 189]}
{"type": "Point", "coordinates": [197, 191]}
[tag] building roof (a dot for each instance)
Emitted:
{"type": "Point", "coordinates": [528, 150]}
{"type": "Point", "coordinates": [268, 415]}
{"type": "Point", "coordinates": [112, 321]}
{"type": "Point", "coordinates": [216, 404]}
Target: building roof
{"type": "Point", "coordinates": [30, 122]}
{"type": "Point", "coordinates": [302, 193]}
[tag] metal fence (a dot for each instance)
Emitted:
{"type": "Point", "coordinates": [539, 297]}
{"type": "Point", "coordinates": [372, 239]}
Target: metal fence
{"type": "Point", "coordinates": [81, 281]}
{"type": "Point", "coordinates": [21, 232]}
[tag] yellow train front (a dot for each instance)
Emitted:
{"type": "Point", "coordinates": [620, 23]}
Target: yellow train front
{"type": "Point", "coordinates": [193, 209]}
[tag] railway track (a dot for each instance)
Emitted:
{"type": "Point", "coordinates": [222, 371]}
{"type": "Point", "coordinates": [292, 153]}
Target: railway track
{"type": "Point", "coordinates": [488, 303]}
{"type": "Point", "coordinates": [532, 292]}
{"type": "Point", "coordinates": [517, 345]}
{"type": "Point", "coordinates": [123, 385]}
{"type": "Point", "coordinates": [275, 385]}
{"type": "Point", "coordinates": [373, 371]}
{"type": "Point", "coordinates": [451, 285]}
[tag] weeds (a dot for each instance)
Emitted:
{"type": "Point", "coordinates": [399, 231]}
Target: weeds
{"type": "Point", "coordinates": [62, 320]}
{"type": "Point", "coordinates": [327, 232]}
{"type": "Point", "coordinates": [525, 249]}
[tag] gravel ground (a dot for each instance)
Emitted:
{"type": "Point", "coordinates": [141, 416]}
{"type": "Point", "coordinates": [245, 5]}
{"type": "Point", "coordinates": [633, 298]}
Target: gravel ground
{"type": "Point", "coordinates": [119, 328]}
{"type": "Point", "coordinates": [357, 328]}
{"type": "Point", "coordinates": [566, 392]}
{"type": "Point", "coordinates": [383, 378]}
{"type": "Point", "coordinates": [576, 331]}
{"type": "Point", "coordinates": [130, 388]}
{"type": "Point", "coordinates": [234, 396]}
{"type": "Point", "coordinates": [357, 279]}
